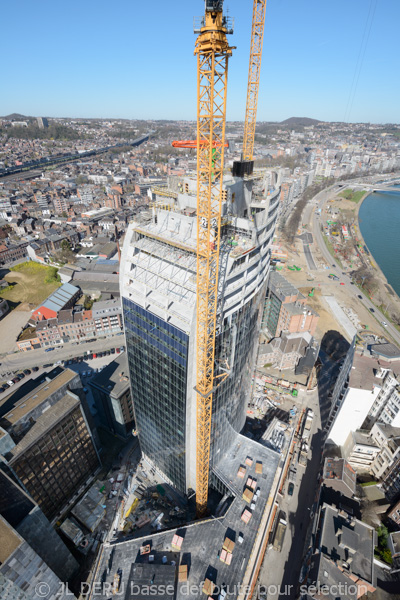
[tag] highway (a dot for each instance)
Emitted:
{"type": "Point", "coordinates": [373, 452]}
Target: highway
{"type": "Point", "coordinates": [311, 217]}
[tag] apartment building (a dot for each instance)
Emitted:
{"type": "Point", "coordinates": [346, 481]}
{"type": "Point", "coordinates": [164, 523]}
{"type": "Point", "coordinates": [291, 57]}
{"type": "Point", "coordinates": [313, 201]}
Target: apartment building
{"type": "Point", "coordinates": [360, 450]}
{"type": "Point", "coordinates": [388, 439]}
{"type": "Point", "coordinates": [343, 554]}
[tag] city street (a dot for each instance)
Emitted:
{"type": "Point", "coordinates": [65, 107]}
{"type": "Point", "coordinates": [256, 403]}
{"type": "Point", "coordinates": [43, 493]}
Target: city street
{"type": "Point", "coordinates": [280, 571]}
{"type": "Point", "coordinates": [38, 358]}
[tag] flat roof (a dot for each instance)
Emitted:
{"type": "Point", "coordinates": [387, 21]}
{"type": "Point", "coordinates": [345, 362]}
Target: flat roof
{"type": "Point", "coordinates": [203, 540]}
{"type": "Point", "coordinates": [114, 379]}
{"type": "Point", "coordinates": [38, 395]}
{"type": "Point", "coordinates": [362, 373]}
{"type": "Point", "coordinates": [9, 540]}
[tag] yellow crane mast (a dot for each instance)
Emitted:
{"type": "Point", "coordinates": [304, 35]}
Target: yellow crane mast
{"type": "Point", "coordinates": [257, 35]}
{"type": "Point", "coordinates": [212, 50]}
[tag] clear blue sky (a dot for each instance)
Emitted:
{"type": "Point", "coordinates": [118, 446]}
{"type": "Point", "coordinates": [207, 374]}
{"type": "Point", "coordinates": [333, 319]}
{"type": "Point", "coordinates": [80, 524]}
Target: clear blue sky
{"type": "Point", "coordinates": [134, 59]}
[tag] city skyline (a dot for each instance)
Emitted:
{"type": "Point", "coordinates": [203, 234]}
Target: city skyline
{"type": "Point", "coordinates": [332, 63]}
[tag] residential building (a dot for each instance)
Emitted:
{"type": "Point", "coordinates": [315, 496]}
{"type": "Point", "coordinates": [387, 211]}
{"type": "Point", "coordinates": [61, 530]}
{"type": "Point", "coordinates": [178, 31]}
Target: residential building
{"type": "Point", "coordinates": [391, 481]}
{"type": "Point", "coordinates": [355, 391]}
{"type": "Point", "coordinates": [388, 438]}
{"type": "Point", "coordinates": [107, 317]}
{"type": "Point", "coordinates": [12, 252]}
{"type": "Point", "coordinates": [54, 453]}
{"type": "Point", "coordinates": [386, 408]}
{"type": "Point", "coordinates": [158, 289]}
{"type": "Point", "coordinates": [394, 514]}
{"type": "Point", "coordinates": [112, 395]}
{"type": "Point", "coordinates": [339, 475]}
{"type": "Point", "coordinates": [360, 450]}
{"type": "Point", "coordinates": [344, 554]}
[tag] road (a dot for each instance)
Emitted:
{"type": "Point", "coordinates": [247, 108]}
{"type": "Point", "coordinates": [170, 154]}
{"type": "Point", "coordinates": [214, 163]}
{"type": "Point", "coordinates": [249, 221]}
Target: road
{"type": "Point", "coordinates": [314, 221]}
{"type": "Point", "coordinates": [38, 358]}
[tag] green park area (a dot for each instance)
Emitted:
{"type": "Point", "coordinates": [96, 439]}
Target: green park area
{"type": "Point", "coordinates": [30, 282]}
{"type": "Point", "coordinates": [352, 195]}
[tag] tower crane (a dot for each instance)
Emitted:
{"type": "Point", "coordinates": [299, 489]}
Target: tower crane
{"type": "Point", "coordinates": [257, 35]}
{"type": "Point", "coordinates": [212, 51]}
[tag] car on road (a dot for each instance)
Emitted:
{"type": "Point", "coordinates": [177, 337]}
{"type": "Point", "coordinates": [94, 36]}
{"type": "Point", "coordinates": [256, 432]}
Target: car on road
{"type": "Point", "coordinates": [49, 349]}
{"type": "Point", "coordinates": [384, 323]}
{"type": "Point", "coordinates": [341, 283]}
{"type": "Point", "coordinates": [291, 489]}
{"type": "Point", "coordinates": [333, 265]}
{"type": "Point", "coordinates": [358, 296]}
{"type": "Point", "coordinates": [372, 310]}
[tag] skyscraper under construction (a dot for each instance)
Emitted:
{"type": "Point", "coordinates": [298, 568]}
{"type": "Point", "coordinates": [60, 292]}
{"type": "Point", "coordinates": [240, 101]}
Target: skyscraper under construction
{"type": "Point", "coordinates": [158, 289]}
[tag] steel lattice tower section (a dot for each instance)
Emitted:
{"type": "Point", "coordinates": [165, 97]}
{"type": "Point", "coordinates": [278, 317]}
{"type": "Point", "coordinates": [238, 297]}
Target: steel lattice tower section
{"type": "Point", "coordinates": [257, 35]}
{"type": "Point", "coordinates": [212, 51]}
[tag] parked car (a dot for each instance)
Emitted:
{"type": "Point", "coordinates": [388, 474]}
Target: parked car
{"type": "Point", "coordinates": [341, 283]}
{"type": "Point", "coordinates": [20, 376]}
{"type": "Point", "coordinates": [35, 369]}
{"type": "Point", "coordinates": [94, 355]}
{"type": "Point", "coordinates": [49, 349]}
{"type": "Point", "coordinates": [112, 350]}
{"type": "Point", "coordinates": [291, 489]}
{"type": "Point", "coordinates": [16, 380]}
{"type": "Point", "coordinates": [358, 296]}
{"type": "Point", "coordinates": [10, 383]}
{"type": "Point", "coordinates": [6, 386]}
{"type": "Point", "coordinates": [27, 371]}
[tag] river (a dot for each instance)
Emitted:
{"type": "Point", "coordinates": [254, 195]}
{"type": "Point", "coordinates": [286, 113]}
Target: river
{"type": "Point", "coordinates": [379, 219]}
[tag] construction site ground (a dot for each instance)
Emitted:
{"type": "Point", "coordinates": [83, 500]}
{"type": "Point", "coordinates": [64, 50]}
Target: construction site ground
{"type": "Point", "coordinates": [306, 280]}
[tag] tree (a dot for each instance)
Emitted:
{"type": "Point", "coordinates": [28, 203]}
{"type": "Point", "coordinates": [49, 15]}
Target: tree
{"type": "Point", "coordinates": [66, 245]}
{"type": "Point", "coordinates": [88, 303]}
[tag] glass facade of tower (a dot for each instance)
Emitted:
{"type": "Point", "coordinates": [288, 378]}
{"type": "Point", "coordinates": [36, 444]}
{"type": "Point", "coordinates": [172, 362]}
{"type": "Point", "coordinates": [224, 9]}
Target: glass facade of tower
{"type": "Point", "coordinates": [236, 349]}
{"type": "Point", "coordinates": [157, 356]}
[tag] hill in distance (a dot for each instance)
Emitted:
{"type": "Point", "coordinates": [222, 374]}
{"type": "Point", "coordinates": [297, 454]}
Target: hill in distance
{"type": "Point", "coordinates": [305, 121]}
{"type": "Point", "coordinates": [15, 117]}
